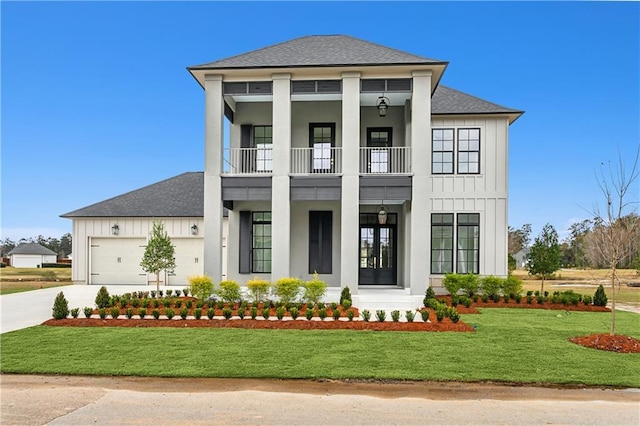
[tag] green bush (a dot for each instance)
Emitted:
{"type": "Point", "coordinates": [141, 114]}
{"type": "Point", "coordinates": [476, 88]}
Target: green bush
{"type": "Point", "coordinates": [155, 313]}
{"type": "Point", "coordinates": [229, 291]}
{"type": "Point", "coordinates": [350, 314]}
{"type": "Point", "coordinates": [322, 313]}
{"type": "Point", "coordinates": [142, 312]}
{"type": "Point", "coordinates": [452, 283]}
{"type": "Point", "coordinates": [491, 285]}
{"type": "Point", "coordinates": [253, 312]}
{"type": "Point", "coordinates": [241, 311]}
{"type": "Point", "coordinates": [293, 312]}
{"type": "Point", "coordinates": [156, 303]}
{"type": "Point", "coordinates": [200, 286]}
{"type": "Point", "coordinates": [395, 316]}
{"type": "Point", "coordinates": [441, 312]}
{"type": "Point", "coordinates": [166, 302]}
{"type": "Point", "coordinates": [75, 312]}
{"type": "Point", "coordinates": [189, 303]}
{"type": "Point", "coordinates": [600, 297]}
{"type": "Point", "coordinates": [512, 286]}
{"type": "Point", "coordinates": [129, 313]}
{"type": "Point", "coordinates": [280, 312]}
{"type": "Point", "coordinates": [186, 291]}
{"type": "Point", "coordinates": [454, 315]}
{"type": "Point", "coordinates": [115, 312]}
{"type": "Point", "coordinates": [102, 313]}
{"type": "Point", "coordinates": [410, 316]}
{"type": "Point", "coordinates": [184, 312]}
{"type": "Point", "coordinates": [177, 303]}
{"type": "Point", "coordinates": [308, 313]}
{"type": "Point", "coordinates": [529, 299]}
{"type": "Point", "coordinates": [428, 295]}
{"type": "Point", "coordinates": [103, 300]}
{"type": "Point", "coordinates": [586, 299]}
{"type": "Point", "coordinates": [56, 265]}
{"type": "Point", "coordinates": [211, 312]}
{"type": "Point", "coordinates": [287, 289]}
{"type": "Point", "coordinates": [60, 307]}
{"type": "Point", "coordinates": [259, 289]}
{"type": "Point", "coordinates": [425, 315]}
{"type": "Point", "coordinates": [336, 314]}
{"type": "Point", "coordinates": [124, 303]}
{"type": "Point", "coordinates": [346, 303]}
{"type": "Point", "coordinates": [314, 290]}
{"type": "Point", "coordinates": [87, 311]}
{"type": "Point", "coordinates": [169, 292]}
{"type": "Point", "coordinates": [227, 313]}
{"type": "Point", "coordinates": [265, 313]}
{"type": "Point", "coordinates": [170, 313]}
{"type": "Point", "coordinates": [345, 294]}
{"type": "Point", "coordinates": [381, 315]}
{"type": "Point", "coordinates": [366, 315]}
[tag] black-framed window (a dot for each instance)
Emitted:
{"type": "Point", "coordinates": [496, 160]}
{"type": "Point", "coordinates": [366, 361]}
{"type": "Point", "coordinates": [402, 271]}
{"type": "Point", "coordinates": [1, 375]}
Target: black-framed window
{"type": "Point", "coordinates": [468, 151]}
{"type": "Point", "coordinates": [263, 142]}
{"type": "Point", "coordinates": [320, 242]}
{"type": "Point", "coordinates": [441, 243]}
{"type": "Point", "coordinates": [442, 151]}
{"type": "Point", "coordinates": [468, 243]}
{"type": "Point", "coordinates": [261, 242]}
{"type": "Point", "coordinates": [322, 139]}
{"type": "Point", "coordinates": [378, 140]}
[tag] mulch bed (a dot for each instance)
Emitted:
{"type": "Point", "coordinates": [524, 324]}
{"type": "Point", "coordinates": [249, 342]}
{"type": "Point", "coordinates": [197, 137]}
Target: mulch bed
{"type": "Point", "coordinates": [607, 342]}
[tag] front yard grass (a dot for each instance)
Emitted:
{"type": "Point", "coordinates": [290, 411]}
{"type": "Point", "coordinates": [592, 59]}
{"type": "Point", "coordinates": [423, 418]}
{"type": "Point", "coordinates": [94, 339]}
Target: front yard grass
{"type": "Point", "coordinates": [510, 345]}
{"type": "Point", "coordinates": [16, 280]}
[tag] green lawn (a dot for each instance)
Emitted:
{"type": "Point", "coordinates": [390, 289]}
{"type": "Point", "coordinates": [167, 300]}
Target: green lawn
{"type": "Point", "coordinates": [16, 280]}
{"type": "Point", "coordinates": [510, 345]}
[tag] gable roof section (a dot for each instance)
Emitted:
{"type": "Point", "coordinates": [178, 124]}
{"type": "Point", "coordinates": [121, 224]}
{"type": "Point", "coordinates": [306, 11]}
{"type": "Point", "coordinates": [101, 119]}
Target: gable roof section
{"type": "Point", "coordinates": [32, 248]}
{"type": "Point", "coordinates": [448, 101]}
{"type": "Point", "coordinates": [318, 51]}
{"type": "Point", "coordinates": [179, 196]}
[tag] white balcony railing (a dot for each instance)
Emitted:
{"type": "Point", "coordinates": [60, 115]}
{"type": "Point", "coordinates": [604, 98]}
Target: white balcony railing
{"type": "Point", "coordinates": [320, 159]}
{"type": "Point", "coordinates": [242, 161]}
{"type": "Point", "coordinates": [390, 161]}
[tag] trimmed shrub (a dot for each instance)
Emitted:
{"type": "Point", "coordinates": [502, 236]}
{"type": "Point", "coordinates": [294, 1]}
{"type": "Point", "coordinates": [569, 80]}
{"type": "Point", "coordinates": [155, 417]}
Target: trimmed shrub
{"type": "Point", "coordinates": [170, 313]}
{"type": "Point", "coordinates": [395, 316]}
{"type": "Point", "coordinates": [350, 314]}
{"type": "Point", "coordinates": [491, 285]}
{"type": "Point", "coordinates": [87, 311]}
{"type": "Point", "coordinates": [102, 313]}
{"type": "Point", "coordinates": [155, 313]}
{"type": "Point", "coordinates": [452, 283]}
{"type": "Point", "coordinates": [265, 313]}
{"type": "Point", "coordinates": [428, 295]}
{"type": "Point", "coordinates": [314, 290]}
{"type": "Point", "coordinates": [178, 303]}
{"type": "Point", "coordinates": [253, 312]}
{"type": "Point", "coordinates": [200, 286]}
{"type": "Point", "coordinates": [293, 312]}
{"type": "Point", "coordinates": [410, 316]}
{"type": "Point", "coordinates": [185, 291]}
{"type": "Point", "coordinates": [211, 312]}
{"type": "Point", "coordinates": [287, 289]}
{"type": "Point", "coordinates": [381, 315]}
{"type": "Point", "coordinates": [308, 313]}
{"type": "Point", "coordinates": [129, 313]}
{"type": "Point", "coordinates": [103, 300]}
{"type": "Point", "coordinates": [169, 292]}
{"type": "Point", "coordinates": [142, 312]}
{"type": "Point", "coordinates": [115, 313]}
{"type": "Point", "coordinates": [60, 307]}
{"type": "Point", "coordinates": [441, 312]}
{"type": "Point", "coordinates": [183, 313]}
{"type": "Point", "coordinates": [322, 313]}
{"type": "Point", "coordinates": [366, 315]}
{"type": "Point", "coordinates": [346, 303]}
{"type": "Point", "coordinates": [469, 284]}
{"type": "Point", "coordinates": [197, 313]}
{"type": "Point", "coordinates": [189, 303]}
{"type": "Point", "coordinates": [229, 291]}
{"type": "Point", "coordinates": [600, 297]}
{"type": "Point", "coordinates": [75, 312]}
{"type": "Point", "coordinates": [345, 294]}
{"type": "Point", "coordinates": [454, 315]}
{"type": "Point", "coordinates": [280, 312]}
{"type": "Point", "coordinates": [586, 299]}
{"type": "Point", "coordinates": [178, 293]}
{"type": "Point", "coordinates": [425, 315]}
{"type": "Point", "coordinates": [241, 312]}
{"type": "Point", "coordinates": [336, 314]}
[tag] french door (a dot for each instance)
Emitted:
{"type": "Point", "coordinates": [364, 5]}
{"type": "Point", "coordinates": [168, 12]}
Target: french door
{"type": "Point", "coordinates": [377, 254]}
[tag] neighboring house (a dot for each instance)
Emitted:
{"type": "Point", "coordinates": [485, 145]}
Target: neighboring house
{"type": "Point", "coordinates": [328, 132]}
{"type": "Point", "coordinates": [344, 158]}
{"type": "Point", "coordinates": [31, 255]}
{"type": "Point", "coordinates": [522, 257]}
{"type": "Point", "coordinates": [109, 237]}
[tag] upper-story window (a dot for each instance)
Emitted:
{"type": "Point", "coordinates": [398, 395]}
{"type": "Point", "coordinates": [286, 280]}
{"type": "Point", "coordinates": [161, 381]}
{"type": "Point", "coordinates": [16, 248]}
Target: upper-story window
{"type": "Point", "coordinates": [263, 141]}
{"type": "Point", "coordinates": [322, 138]}
{"type": "Point", "coordinates": [464, 142]}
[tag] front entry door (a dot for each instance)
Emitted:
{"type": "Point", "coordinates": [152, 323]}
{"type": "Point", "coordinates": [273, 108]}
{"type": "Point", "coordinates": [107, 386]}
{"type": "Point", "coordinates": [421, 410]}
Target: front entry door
{"type": "Point", "coordinates": [377, 254]}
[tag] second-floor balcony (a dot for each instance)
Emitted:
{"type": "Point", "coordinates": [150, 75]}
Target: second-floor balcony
{"type": "Point", "coordinates": [321, 159]}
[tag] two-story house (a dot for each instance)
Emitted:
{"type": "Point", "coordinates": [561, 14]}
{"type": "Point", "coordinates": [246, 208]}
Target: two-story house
{"type": "Point", "coordinates": [349, 159]}
{"type": "Point", "coordinates": [342, 157]}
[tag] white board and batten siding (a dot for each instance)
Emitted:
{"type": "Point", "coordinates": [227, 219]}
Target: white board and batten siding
{"type": "Point", "coordinates": [102, 258]}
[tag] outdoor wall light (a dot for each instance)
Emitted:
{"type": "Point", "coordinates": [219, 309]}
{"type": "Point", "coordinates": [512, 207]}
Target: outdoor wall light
{"type": "Point", "coordinates": [382, 104]}
{"type": "Point", "coordinates": [382, 215]}
{"type": "Point", "coordinates": [194, 229]}
{"type": "Point", "coordinates": [115, 229]}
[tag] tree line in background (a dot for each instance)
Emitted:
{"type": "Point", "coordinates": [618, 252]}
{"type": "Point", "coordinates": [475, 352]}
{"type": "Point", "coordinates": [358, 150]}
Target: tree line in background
{"type": "Point", "coordinates": [582, 248]}
{"type": "Point", "coordinates": [61, 246]}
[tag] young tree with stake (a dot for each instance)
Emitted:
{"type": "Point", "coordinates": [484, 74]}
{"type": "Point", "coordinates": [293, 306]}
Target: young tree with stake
{"type": "Point", "coordinates": [159, 255]}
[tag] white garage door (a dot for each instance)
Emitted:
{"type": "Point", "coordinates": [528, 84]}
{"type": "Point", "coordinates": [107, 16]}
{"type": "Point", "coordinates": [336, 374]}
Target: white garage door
{"type": "Point", "coordinates": [189, 253]}
{"type": "Point", "coordinates": [117, 261]}
{"type": "Point", "coordinates": [25, 260]}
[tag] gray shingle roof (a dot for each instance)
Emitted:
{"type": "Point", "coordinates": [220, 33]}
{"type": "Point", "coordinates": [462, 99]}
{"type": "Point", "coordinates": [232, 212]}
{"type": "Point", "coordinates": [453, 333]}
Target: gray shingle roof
{"type": "Point", "coordinates": [319, 50]}
{"type": "Point", "coordinates": [179, 196]}
{"type": "Point", "coordinates": [450, 101]}
{"type": "Point", "coordinates": [32, 248]}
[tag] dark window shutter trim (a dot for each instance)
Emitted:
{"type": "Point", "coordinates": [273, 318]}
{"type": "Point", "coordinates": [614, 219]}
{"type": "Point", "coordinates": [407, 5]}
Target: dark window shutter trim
{"type": "Point", "coordinates": [245, 242]}
{"type": "Point", "coordinates": [320, 242]}
{"type": "Point", "coordinates": [245, 135]}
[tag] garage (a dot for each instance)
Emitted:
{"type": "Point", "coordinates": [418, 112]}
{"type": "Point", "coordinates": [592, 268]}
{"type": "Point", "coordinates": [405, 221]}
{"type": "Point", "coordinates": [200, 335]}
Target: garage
{"type": "Point", "coordinates": [116, 261]}
{"type": "Point", "coordinates": [188, 253]}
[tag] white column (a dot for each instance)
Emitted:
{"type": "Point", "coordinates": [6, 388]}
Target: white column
{"type": "Point", "coordinates": [214, 132]}
{"type": "Point", "coordinates": [280, 202]}
{"type": "Point", "coordinates": [350, 207]}
{"type": "Point", "coordinates": [420, 201]}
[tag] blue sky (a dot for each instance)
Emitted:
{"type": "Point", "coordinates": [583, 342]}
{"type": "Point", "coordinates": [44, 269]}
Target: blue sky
{"type": "Point", "coordinates": [96, 100]}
